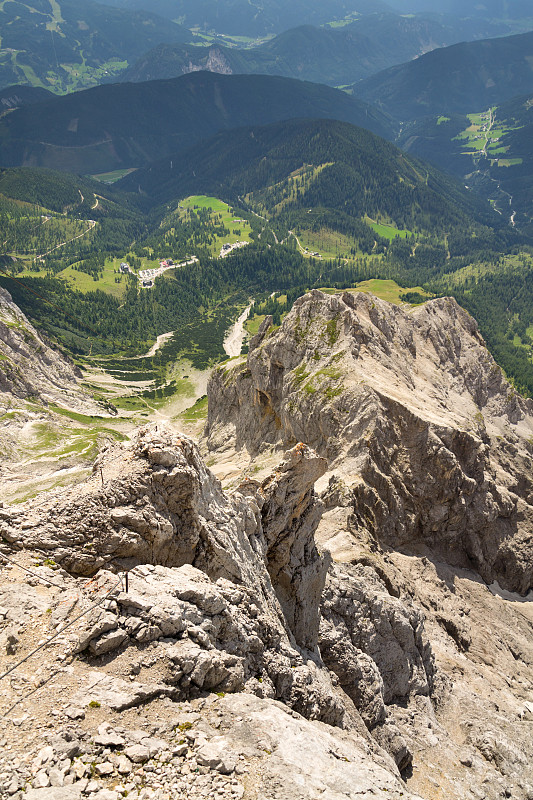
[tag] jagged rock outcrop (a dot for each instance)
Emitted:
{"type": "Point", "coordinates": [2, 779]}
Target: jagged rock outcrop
{"type": "Point", "coordinates": [215, 61]}
{"type": "Point", "coordinates": [239, 580]}
{"type": "Point", "coordinates": [428, 487]}
{"type": "Point", "coordinates": [222, 595]}
{"type": "Point", "coordinates": [376, 645]}
{"type": "Point", "coordinates": [432, 444]}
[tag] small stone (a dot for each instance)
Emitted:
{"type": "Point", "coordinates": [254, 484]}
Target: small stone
{"type": "Point", "coordinates": [80, 769]}
{"type": "Point", "coordinates": [137, 753]}
{"type": "Point", "coordinates": [58, 793]}
{"type": "Point", "coordinates": [91, 787]}
{"type": "Point", "coordinates": [106, 768]}
{"type": "Point", "coordinates": [44, 755]}
{"type": "Point", "coordinates": [123, 765]}
{"type": "Point", "coordinates": [56, 776]}
{"type": "Point", "coordinates": [41, 780]}
{"type": "Point", "coordinates": [213, 754]}
{"type": "Point", "coordinates": [466, 761]}
{"type": "Point", "coordinates": [66, 749]}
{"type": "Point", "coordinates": [75, 712]}
{"type": "Point", "coordinates": [12, 641]}
{"type": "Point", "coordinates": [108, 642]}
{"type": "Point", "coordinates": [109, 739]}
{"type": "Point", "coordinates": [154, 745]}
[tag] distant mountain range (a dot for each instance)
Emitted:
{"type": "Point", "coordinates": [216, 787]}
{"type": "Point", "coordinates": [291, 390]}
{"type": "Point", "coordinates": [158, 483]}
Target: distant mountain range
{"type": "Point", "coordinates": [497, 9]}
{"type": "Point", "coordinates": [70, 44]}
{"type": "Point", "coordinates": [253, 19]}
{"type": "Point", "coordinates": [130, 125]}
{"type": "Point", "coordinates": [74, 44]}
{"type": "Point", "coordinates": [336, 56]}
{"type": "Point", "coordinates": [457, 79]}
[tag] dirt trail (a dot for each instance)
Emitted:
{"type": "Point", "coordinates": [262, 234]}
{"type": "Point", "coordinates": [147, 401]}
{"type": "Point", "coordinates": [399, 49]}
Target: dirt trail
{"type": "Point", "coordinates": [91, 226]}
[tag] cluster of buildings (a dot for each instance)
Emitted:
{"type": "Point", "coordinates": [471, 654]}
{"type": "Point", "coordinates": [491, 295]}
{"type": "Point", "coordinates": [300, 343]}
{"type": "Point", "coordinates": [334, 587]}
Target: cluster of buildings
{"type": "Point", "coordinates": [148, 276]}
{"type": "Point", "coordinates": [227, 248]}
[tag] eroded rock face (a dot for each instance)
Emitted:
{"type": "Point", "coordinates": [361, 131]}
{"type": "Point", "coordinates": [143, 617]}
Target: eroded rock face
{"type": "Point", "coordinates": [234, 598]}
{"type": "Point", "coordinates": [29, 367]}
{"type": "Point", "coordinates": [413, 415]}
{"type": "Point", "coordinates": [377, 647]}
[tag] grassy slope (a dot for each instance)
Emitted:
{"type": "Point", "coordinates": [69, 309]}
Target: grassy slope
{"type": "Point", "coordinates": [227, 217]}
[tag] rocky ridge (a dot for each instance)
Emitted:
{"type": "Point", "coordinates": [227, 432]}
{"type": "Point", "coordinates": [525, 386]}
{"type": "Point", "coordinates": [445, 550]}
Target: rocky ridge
{"type": "Point", "coordinates": [426, 442]}
{"type": "Point", "coordinates": [427, 500]}
{"type": "Point", "coordinates": [33, 376]}
{"type": "Point", "coordinates": [320, 631]}
{"type": "Point", "coordinates": [222, 597]}
{"type": "Point", "coordinates": [40, 400]}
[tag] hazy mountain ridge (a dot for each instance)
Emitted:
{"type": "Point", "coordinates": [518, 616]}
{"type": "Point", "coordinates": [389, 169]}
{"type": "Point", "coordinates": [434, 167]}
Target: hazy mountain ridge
{"type": "Point", "coordinates": [246, 19]}
{"type": "Point", "coordinates": [461, 78]}
{"type": "Point", "coordinates": [129, 125]}
{"type": "Point", "coordinates": [335, 56]}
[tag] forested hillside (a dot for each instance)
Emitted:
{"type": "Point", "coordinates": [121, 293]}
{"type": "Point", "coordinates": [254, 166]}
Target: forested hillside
{"type": "Point", "coordinates": [491, 151]}
{"type": "Point", "coordinates": [340, 167]}
{"type": "Point", "coordinates": [129, 125]}
{"type": "Point", "coordinates": [459, 79]}
{"type": "Point", "coordinates": [15, 96]}
{"type": "Point", "coordinates": [324, 203]}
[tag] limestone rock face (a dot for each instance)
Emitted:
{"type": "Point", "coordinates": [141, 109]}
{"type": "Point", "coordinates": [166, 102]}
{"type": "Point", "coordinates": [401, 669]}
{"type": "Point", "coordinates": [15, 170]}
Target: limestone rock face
{"type": "Point", "coordinates": [323, 631]}
{"type": "Point", "coordinates": [377, 647]}
{"type": "Point", "coordinates": [230, 585]}
{"type": "Point", "coordinates": [29, 367]}
{"type": "Point", "coordinates": [290, 515]}
{"type": "Point", "coordinates": [431, 443]}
